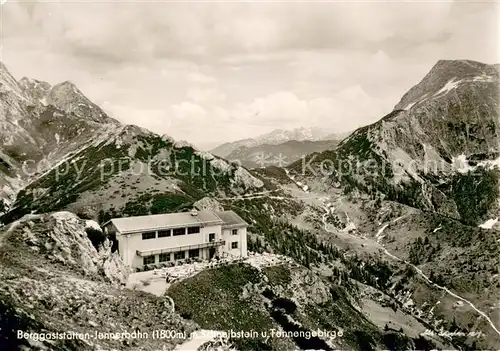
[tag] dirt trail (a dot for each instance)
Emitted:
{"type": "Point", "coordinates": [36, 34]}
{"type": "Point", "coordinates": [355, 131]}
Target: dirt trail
{"type": "Point", "coordinates": [327, 209]}
{"type": "Point", "coordinates": [327, 227]}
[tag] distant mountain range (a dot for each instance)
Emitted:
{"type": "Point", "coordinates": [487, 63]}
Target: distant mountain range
{"type": "Point", "coordinates": [279, 147]}
{"type": "Point", "coordinates": [282, 154]}
{"type": "Point", "coordinates": [278, 136]}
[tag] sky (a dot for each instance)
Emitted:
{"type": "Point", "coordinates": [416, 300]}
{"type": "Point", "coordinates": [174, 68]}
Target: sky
{"type": "Point", "coordinates": [209, 72]}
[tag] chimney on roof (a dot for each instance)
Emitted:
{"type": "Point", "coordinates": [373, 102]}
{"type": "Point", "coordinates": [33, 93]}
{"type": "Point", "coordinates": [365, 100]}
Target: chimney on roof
{"type": "Point", "coordinates": [194, 212]}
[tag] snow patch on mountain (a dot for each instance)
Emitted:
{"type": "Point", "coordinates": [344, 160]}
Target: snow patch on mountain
{"type": "Point", "coordinates": [202, 337]}
{"type": "Point", "coordinates": [379, 235]}
{"type": "Point", "coordinates": [275, 137]}
{"type": "Point", "coordinates": [452, 84]}
{"type": "Point", "coordinates": [489, 224]}
{"type": "Point", "coordinates": [410, 106]}
{"type": "Point", "coordinates": [461, 164]}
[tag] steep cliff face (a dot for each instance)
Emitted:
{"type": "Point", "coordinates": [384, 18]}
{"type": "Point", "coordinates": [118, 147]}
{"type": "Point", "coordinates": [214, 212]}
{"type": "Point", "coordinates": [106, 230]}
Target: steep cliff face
{"type": "Point", "coordinates": [420, 151]}
{"type": "Point", "coordinates": [453, 111]}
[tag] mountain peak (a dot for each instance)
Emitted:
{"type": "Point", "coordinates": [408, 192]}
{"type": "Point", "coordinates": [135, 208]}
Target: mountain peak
{"type": "Point", "coordinates": [445, 76]}
{"type": "Point", "coordinates": [462, 68]}
{"type": "Point", "coordinates": [67, 86]}
{"type": "Point", "coordinates": [8, 83]}
{"type": "Point", "coordinates": [35, 89]}
{"type": "Point", "coordinates": [67, 97]}
{"type": "Point", "coordinates": [67, 83]}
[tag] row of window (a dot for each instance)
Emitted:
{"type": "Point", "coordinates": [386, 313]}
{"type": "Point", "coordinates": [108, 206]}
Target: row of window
{"type": "Point", "coordinates": [168, 232]}
{"type": "Point", "coordinates": [179, 255]}
{"type": "Point", "coordinates": [175, 232]}
{"type": "Point", "coordinates": [165, 257]}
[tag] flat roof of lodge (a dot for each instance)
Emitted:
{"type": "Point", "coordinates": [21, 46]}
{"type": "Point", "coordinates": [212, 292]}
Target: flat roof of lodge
{"type": "Point", "coordinates": [174, 220]}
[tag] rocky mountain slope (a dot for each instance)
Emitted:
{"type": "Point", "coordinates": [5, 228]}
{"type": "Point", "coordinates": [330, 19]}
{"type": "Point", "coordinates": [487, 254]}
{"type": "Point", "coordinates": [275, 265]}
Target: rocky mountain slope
{"type": "Point", "coordinates": [438, 150]}
{"type": "Point", "coordinates": [60, 276]}
{"type": "Point", "coordinates": [81, 159]}
{"type": "Point", "coordinates": [39, 126]}
{"type": "Point", "coordinates": [54, 281]}
{"type": "Point", "coordinates": [363, 246]}
{"type": "Point", "coordinates": [276, 302]}
{"type": "Point", "coordinates": [275, 137]}
{"type": "Point", "coordinates": [133, 172]}
{"type": "Point", "coordinates": [280, 155]}
{"type": "Point", "coordinates": [434, 268]}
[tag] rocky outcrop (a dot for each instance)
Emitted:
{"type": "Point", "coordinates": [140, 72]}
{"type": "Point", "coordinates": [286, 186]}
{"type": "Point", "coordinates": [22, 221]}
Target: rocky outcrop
{"type": "Point", "coordinates": [53, 280]}
{"type": "Point", "coordinates": [207, 203]}
{"type": "Point", "coordinates": [63, 239]}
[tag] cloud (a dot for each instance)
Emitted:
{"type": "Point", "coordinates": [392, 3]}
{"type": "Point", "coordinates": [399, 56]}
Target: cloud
{"type": "Point", "coordinates": [206, 96]}
{"type": "Point", "coordinates": [153, 119]}
{"type": "Point", "coordinates": [221, 71]}
{"type": "Point", "coordinates": [196, 77]}
{"type": "Point", "coordinates": [118, 33]}
{"type": "Point", "coordinates": [346, 110]}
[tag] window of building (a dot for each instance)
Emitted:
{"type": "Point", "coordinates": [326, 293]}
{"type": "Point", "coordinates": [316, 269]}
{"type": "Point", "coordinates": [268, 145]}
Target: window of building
{"type": "Point", "coordinates": [179, 231]}
{"type": "Point", "coordinates": [193, 230]}
{"type": "Point", "coordinates": [211, 237]}
{"type": "Point", "coordinates": [148, 260]}
{"type": "Point", "coordinates": [148, 235]}
{"type": "Point", "coordinates": [179, 255]}
{"type": "Point", "coordinates": [234, 245]}
{"type": "Point", "coordinates": [194, 253]}
{"type": "Point", "coordinates": [163, 233]}
{"type": "Point", "coordinates": [164, 257]}
{"type": "Point", "coordinates": [235, 231]}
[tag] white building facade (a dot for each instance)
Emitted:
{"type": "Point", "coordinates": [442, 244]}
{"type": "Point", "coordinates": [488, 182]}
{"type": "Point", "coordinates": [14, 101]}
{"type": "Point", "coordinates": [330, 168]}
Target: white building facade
{"type": "Point", "coordinates": [163, 238]}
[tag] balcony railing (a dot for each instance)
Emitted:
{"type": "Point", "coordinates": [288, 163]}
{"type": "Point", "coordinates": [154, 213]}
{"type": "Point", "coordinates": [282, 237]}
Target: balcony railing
{"type": "Point", "coordinates": [214, 243]}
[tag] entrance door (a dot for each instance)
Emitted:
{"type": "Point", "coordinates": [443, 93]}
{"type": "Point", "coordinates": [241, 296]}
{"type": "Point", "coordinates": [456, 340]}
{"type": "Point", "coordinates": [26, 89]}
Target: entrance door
{"type": "Point", "coordinates": [211, 253]}
{"type": "Point", "coordinates": [211, 237]}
